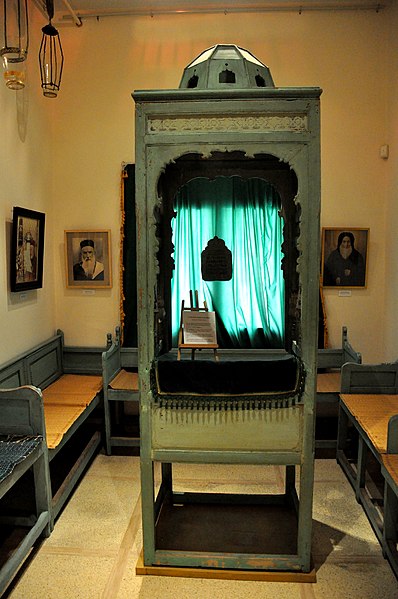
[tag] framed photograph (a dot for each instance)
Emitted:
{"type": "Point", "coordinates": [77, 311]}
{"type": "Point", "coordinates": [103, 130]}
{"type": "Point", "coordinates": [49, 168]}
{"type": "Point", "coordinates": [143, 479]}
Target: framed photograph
{"type": "Point", "coordinates": [88, 259]}
{"type": "Point", "coordinates": [27, 249]}
{"type": "Point", "coordinates": [344, 257]}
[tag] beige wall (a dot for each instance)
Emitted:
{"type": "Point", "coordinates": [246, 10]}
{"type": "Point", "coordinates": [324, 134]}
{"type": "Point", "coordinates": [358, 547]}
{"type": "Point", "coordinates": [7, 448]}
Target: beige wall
{"type": "Point", "coordinates": [25, 180]}
{"type": "Point", "coordinates": [390, 315]}
{"type": "Point", "coordinates": [91, 126]}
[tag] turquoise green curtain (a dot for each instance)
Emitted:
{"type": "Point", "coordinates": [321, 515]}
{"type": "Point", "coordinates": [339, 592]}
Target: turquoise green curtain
{"type": "Point", "coordinates": [245, 214]}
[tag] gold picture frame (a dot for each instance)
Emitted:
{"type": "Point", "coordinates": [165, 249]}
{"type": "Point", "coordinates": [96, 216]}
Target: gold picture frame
{"type": "Point", "coordinates": [88, 259]}
{"type": "Point", "coordinates": [344, 261]}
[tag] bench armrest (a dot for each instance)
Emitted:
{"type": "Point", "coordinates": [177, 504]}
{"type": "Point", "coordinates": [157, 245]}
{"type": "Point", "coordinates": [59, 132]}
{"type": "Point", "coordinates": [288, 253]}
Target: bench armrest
{"type": "Point", "coordinates": [22, 411]}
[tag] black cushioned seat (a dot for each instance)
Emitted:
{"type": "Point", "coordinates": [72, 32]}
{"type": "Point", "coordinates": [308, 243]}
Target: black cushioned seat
{"type": "Point", "coordinates": [207, 377]}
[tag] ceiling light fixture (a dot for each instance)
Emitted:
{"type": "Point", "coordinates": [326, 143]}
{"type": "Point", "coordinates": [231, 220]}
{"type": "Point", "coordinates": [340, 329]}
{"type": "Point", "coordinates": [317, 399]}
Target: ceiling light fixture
{"type": "Point", "coordinates": [15, 41]}
{"type": "Point", "coordinates": [51, 56]}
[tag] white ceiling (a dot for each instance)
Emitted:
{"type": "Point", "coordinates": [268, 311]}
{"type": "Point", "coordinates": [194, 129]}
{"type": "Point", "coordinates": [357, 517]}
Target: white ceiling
{"type": "Point", "coordinates": [69, 11]}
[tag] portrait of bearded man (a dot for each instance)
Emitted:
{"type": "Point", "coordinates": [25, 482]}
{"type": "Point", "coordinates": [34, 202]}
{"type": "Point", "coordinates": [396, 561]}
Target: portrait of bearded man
{"type": "Point", "coordinates": [89, 268]}
{"type": "Point", "coordinates": [345, 266]}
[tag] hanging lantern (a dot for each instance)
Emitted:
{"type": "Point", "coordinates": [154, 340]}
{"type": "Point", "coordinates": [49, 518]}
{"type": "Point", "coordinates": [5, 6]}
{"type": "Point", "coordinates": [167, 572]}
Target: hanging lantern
{"type": "Point", "coordinates": [15, 41]}
{"type": "Point", "coordinates": [51, 57]}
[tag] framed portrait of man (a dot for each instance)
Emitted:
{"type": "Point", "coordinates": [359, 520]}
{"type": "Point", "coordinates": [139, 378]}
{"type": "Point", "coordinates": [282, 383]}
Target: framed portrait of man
{"type": "Point", "coordinates": [344, 257]}
{"type": "Point", "coordinates": [88, 259]}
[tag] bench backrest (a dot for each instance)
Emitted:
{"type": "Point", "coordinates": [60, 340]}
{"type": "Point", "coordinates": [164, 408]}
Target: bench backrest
{"type": "Point", "coordinates": [21, 411]}
{"type": "Point", "coordinates": [45, 363]}
{"type": "Point", "coordinates": [392, 436]}
{"type": "Point", "coordinates": [111, 363]}
{"type": "Point", "coordinates": [44, 366]}
{"type": "Point", "coordinates": [115, 358]}
{"type": "Point", "coordinates": [370, 378]}
{"type": "Point", "coordinates": [335, 358]}
{"type": "Point", "coordinates": [40, 366]}
{"type": "Point", "coordinates": [13, 375]}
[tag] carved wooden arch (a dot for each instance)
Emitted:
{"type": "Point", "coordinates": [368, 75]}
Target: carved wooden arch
{"type": "Point", "coordinates": [230, 163]}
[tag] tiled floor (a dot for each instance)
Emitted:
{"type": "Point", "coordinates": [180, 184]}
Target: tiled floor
{"type": "Point", "coordinates": [93, 550]}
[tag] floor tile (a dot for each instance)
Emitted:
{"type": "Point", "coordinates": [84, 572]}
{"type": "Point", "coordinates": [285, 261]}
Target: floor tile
{"type": "Point", "coordinates": [115, 467]}
{"type": "Point", "coordinates": [93, 550]}
{"type": "Point", "coordinates": [356, 580]}
{"type": "Point", "coordinates": [64, 577]}
{"type": "Point", "coordinates": [161, 587]}
{"type": "Point", "coordinates": [100, 510]}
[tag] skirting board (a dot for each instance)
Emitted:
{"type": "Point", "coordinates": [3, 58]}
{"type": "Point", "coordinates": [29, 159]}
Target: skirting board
{"type": "Point", "coordinates": [260, 575]}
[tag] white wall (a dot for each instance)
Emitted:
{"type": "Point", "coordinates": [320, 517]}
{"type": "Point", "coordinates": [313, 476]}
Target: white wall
{"type": "Point", "coordinates": [92, 129]}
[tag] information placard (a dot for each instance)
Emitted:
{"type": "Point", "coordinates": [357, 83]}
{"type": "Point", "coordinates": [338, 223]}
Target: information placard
{"type": "Point", "coordinates": [199, 327]}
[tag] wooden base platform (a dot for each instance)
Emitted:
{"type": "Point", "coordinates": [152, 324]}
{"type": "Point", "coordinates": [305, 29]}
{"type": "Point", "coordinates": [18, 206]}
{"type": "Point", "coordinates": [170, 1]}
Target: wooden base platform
{"type": "Point", "coordinates": [212, 573]}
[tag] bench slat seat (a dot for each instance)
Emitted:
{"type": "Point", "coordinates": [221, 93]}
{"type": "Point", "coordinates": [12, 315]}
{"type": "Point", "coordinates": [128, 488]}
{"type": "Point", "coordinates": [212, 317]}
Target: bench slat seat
{"type": "Point", "coordinates": [372, 412]}
{"type": "Point", "coordinates": [75, 383]}
{"type": "Point", "coordinates": [125, 380]}
{"type": "Point", "coordinates": [59, 419]}
{"type": "Point", "coordinates": [64, 402]}
{"type": "Point", "coordinates": [328, 382]}
{"type": "Point", "coordinates": [73, 389]}
{"type": "Point", "coordinates": [67, 399]}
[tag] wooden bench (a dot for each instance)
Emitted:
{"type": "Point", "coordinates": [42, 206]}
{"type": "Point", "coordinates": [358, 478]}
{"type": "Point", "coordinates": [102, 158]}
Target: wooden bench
{"type": "Point", "coordinates": [69, 402]}
{"type": "Point", "coordinates": [121, 398]}
{"type": "Point", "coordinates": [368, 404]}
{"type": "Point", "coordinates": [330, 362]}
{"type": "Point", "coordinates": [389, 469]}
{"type": "Point", "coordinates": [23, 450]}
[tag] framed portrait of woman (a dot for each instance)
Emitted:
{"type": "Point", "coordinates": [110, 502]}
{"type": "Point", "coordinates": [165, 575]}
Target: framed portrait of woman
{"type": "Point", "coordinates": [344, 257]}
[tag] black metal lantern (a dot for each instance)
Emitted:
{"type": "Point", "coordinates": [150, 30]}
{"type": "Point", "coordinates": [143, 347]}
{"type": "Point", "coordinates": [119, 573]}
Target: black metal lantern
{"type": "Point", "coordinates": [51, 57]}
{"type": "Point", "coordinates": [15, 41]}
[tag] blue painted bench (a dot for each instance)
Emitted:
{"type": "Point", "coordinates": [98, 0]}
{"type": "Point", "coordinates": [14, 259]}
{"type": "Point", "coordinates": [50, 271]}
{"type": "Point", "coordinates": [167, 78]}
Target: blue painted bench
{"type": "Point", "coordinates": [367, 434]}
{"type": "Point", "coordinates": [330, 363]}
{"type": "Point", "coordinates": [121, 397]}
{"type": "Point", "coordinates": [389, 469]}
{"type": "Point", "coordinates": [23, 448]}
{"type": "Point", "coordinates": [69, 403]}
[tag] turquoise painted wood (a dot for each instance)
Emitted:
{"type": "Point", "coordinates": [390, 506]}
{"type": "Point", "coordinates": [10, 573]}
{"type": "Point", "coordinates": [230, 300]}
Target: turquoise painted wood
{"type": "Point", "coordinates": [280, 126]}
{"type": "Point", "coordinates": [359, 465]}
{"type": "Point", "coordinates": [327, 403]}
{"type": "Point", "coordinates": [389, 472]}
{"type": "Point", "coordinates": [365, 379]}
{"type": "Point", "coordinates": [40, 366]}
{"type": "Point", "coordinates": [111, 366]}
{"type": "Point", "coordinates": [22, 414]}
